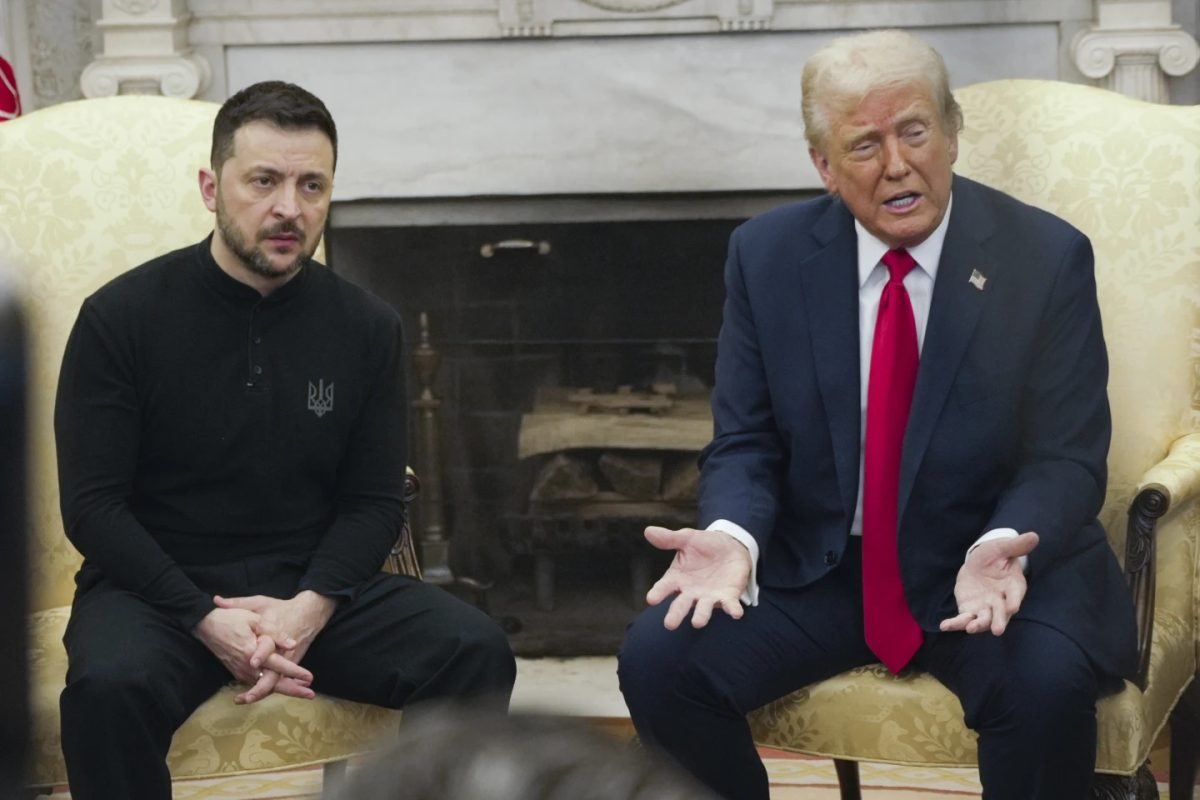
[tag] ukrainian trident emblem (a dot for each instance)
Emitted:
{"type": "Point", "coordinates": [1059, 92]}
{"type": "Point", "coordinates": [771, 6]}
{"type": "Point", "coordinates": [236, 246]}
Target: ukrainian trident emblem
{"type": "Point", "coordinates": [320, 398]}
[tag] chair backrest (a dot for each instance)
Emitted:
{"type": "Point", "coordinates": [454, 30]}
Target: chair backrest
{"type": "Point", "coordinates": [88, 190]}
{"type": "Point", "coordinates": [1126, 173]}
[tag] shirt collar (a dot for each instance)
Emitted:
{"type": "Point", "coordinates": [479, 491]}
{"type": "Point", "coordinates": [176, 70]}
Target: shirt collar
{"type": "Point", "coordinates": [927, 254]}
{"type": "Point", "coordinates": [229, 286]}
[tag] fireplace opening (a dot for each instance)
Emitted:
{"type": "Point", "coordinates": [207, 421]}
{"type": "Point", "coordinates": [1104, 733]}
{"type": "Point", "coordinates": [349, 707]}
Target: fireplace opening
{"type": "Point", "coordinates": [576, 359]}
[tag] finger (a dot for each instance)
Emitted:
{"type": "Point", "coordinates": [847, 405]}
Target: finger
{"type": "Point", "coordinates": [732, 607]}
{"type": "Point", "coordinates": [263, 647]}
{"type": "Point", "coordinates": [702, 612]}
{"type": "Point", "coordinates": [663, 588]}
{"type": "Point", "coordinates": [1000, 616]}
{"type": "Point", "coordinates": [283, 642]}
{"type": "Point", "coordinates": [1018, 545]}
{"type": "Point", "coordinates": [982, 621]}
{"type": "Point", "coordinates": [251, 603]}
{"type": "Point", "coordinates": [956, 623]}
{"type": "Point", "coordinates": [293, 688]}
{"type": "Point", "coordinates": [665, 538]}
{"type": "Point", "coordinates": [1014, 596]}
{"type": "Point", "coordinates": [678, 611]}
{"type": "Point", "coordinates": [262, 687]}
{"type": "Point", "coordinates": [287, 669]}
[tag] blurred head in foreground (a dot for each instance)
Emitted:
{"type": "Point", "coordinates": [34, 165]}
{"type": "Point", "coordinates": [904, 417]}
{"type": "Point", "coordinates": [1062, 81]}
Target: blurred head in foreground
{"type": "Point", "coordinates": [452, 754]}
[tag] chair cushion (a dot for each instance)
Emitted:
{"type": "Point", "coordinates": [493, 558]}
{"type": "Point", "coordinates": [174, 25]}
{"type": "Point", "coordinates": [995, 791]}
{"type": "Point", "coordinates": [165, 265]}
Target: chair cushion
{"type": "Point", "coordinates": [867, 714]}
{"type": "Point", "coordinates": [219, 737]}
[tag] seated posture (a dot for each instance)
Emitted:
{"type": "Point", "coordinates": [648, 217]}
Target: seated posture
{"type": "Point", "coordinates": [911, 426]}
{"type": "Point", "coordinates": [231, 447]}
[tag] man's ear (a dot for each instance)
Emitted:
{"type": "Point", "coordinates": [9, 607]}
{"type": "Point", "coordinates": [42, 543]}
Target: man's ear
{"type": "Point", "coordinates": [208, 188]}
{"type": "Point", "coordinates": [822, 164]}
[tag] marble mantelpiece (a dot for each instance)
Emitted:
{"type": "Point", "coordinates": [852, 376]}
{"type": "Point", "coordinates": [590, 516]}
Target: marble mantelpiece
{"type": "Point", "coordinates": [704, 113]}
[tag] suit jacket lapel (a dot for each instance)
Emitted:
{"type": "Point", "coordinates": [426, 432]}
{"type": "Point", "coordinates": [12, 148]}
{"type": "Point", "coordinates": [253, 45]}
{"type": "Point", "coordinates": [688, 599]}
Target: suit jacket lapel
{"type": "Point", "coordinates": [953, 313]}
{"type": "Point", "coordinates": [829, 279]}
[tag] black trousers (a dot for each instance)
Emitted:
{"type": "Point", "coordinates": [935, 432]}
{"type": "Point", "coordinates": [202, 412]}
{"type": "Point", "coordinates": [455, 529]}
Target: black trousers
{"type": "Point", "coordinates": [1030, 694]}
{"type": "Point", "coordinates": [134, 676]}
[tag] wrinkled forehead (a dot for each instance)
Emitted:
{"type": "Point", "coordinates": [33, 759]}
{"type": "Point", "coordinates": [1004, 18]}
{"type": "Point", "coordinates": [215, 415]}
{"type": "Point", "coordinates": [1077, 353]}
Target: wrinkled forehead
{"type": "Point", "coordinates": [894, 99]}
{"type": "Point", "coordinates": [264, 142]}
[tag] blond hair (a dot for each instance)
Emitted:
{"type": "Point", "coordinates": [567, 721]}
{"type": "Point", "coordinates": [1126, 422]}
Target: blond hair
{"type": "Point", "coordinates": [839, 75]}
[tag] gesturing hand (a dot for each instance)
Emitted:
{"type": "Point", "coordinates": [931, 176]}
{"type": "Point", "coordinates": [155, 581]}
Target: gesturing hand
{"type": "Point", "coordinates": [991, 585]}
{"type": "Point", "coordinates": [710, 569]}
{"type": "Point", "coordinates": [290, 624]}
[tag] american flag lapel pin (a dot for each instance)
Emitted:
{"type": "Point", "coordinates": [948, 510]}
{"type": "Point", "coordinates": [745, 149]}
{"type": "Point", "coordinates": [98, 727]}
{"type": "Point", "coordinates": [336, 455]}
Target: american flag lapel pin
{"type": "Point", "coordinates": [977, 279]}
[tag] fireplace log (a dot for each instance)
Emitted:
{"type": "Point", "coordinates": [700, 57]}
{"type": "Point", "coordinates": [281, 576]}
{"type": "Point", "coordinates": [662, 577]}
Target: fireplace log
{"type": "Point", "coordinates": [681, 481]}
{"type": "Point", "coordinates": [633, 475]}
{"type": "Point", "coordinates": [564, 477]}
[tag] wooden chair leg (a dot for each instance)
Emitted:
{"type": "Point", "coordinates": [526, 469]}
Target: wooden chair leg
{"type": "Point", "coordinates": [847, 773]}
{"type": "Point", "coordinates": [1185, 743]}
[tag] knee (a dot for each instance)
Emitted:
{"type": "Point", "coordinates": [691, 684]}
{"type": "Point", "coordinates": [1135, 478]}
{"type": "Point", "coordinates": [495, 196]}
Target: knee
{"type": "Point", "coordinates": [1058, 694]}
{"type": "Point", "coordinates": [645, 651]}
{"type": "Point", "coordinates": [1044, 700]}
{"type": "Point", "coordinates": [105, 689]}
{"type": "Point", "coordinates": [483, 645]}
{"type": "Point", "coordinates": [654, 664]}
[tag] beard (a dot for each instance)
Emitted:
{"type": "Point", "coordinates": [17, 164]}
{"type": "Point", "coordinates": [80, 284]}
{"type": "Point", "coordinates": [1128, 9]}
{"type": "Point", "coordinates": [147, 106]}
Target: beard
{"type": "Point", "coordinates": [254, 258]}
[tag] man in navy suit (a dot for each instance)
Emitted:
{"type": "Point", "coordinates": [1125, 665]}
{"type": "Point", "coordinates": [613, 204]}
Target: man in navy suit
{"type": "Point", "coordinates": [911, 428]}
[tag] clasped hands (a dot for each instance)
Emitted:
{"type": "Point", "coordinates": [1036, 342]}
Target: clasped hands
{"type": "Point", "coordinates": [711, 570]}
{"type": "Point", "coordinates": [261, 641]}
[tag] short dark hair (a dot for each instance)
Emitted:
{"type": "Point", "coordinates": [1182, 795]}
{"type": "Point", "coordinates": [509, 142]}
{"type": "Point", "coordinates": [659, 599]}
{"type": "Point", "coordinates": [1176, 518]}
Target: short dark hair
{"type": "Point", "coordinates": [282, 104]}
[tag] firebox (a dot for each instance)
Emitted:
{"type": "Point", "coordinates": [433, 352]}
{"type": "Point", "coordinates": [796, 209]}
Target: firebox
{"type": "Point", "coordinates": [577, 338]}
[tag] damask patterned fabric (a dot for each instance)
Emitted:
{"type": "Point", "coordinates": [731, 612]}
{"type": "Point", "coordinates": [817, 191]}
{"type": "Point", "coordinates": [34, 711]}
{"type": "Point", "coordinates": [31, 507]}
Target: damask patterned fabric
{"type": "Point", "coordinates": [1127, 173]}
{"type": "Point", "coordinates": [88, 190]}
{"type": "Point", "coordinates": [219, 737]}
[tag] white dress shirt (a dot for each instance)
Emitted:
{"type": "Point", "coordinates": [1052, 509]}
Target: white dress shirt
{"type": "Point", "coordinates": [872, 277]}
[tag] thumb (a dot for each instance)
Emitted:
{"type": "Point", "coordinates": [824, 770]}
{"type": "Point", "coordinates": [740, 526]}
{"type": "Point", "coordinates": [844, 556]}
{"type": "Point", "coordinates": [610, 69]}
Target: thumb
{"type": "Point", "coordinates": [665, 538]}
{"type": "Point", "coordinates": [231, 602]}
{"type": "Point", "coordinates": [1019, 546]}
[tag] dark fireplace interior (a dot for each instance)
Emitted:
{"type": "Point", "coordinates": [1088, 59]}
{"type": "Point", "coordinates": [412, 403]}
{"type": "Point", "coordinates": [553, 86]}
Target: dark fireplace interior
{"type": "Point", "coordinates": [516, 310]}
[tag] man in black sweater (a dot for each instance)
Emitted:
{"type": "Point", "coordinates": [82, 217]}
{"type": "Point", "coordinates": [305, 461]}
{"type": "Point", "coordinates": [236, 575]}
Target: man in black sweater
{"type": "Point", "coordinates": [231, 446]}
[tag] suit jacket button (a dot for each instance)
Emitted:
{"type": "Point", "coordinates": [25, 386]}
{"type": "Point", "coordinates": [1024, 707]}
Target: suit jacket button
{"type": "Point", "coordinates": [830, 558]}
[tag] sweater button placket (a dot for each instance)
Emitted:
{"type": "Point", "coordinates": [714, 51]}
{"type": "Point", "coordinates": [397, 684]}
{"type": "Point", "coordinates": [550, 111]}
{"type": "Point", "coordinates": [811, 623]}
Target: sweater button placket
{"type": "Point", "coordinates": [255, 350]}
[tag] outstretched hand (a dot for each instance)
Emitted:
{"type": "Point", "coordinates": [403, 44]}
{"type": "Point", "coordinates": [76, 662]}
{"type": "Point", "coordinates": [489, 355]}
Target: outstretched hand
{"type": "Point", "coordinates": [991, 585]}
{"type": "Point", "coordinates": [711, 569]}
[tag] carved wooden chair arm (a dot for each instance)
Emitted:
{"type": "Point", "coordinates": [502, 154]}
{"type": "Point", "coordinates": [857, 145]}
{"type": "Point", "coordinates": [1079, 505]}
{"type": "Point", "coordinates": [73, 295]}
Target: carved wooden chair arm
{"type": "Point", "coordinates": [403, 558]}
{"type": "Point", "coordinates": [1172, 482]}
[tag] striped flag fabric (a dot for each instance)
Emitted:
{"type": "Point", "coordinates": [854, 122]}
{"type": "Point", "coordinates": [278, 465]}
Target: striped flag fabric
{"type": "Point", "coordinates": [10, 98]}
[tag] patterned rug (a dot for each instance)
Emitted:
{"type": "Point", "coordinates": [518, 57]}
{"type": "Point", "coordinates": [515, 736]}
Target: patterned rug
{"type": "Point", "coordinates": [792, 778]}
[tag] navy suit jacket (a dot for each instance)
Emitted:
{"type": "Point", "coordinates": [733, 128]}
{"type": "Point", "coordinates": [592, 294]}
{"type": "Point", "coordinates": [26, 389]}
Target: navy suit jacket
{"type": "Point", "coordinates": [1009, 425]}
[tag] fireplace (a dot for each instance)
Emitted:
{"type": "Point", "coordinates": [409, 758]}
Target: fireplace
{"type": "Point", "coordinates": [613, 296]}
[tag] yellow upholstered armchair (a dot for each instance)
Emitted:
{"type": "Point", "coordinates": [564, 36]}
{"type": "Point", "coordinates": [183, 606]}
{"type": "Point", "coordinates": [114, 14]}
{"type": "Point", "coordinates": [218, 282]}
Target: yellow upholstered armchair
{"type": "Point", "coordinates": [88, 190]}
{"type": "Point", "coordinates": [1128, 174]}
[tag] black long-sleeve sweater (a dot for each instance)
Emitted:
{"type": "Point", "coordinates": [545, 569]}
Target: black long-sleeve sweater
{"type": "Point", "coordinates": [200, 423]}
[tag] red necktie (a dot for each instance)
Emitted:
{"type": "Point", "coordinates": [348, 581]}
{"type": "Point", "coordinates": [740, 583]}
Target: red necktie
{"type": "Point", "coordinates": [891, 632]}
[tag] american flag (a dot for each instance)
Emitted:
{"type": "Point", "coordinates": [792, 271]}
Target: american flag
{"type": "Point", "coordinates": [10, 98]}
